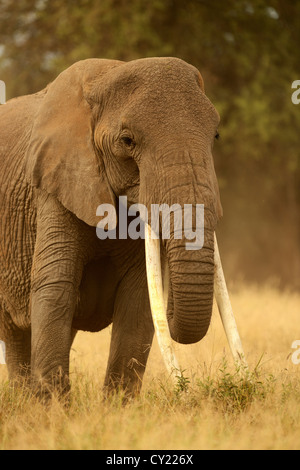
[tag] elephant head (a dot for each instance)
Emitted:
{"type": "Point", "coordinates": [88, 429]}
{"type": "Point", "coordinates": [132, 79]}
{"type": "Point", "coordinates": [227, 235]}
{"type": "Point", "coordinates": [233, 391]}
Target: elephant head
{"type": "Point", "coordinates": [144, 129]}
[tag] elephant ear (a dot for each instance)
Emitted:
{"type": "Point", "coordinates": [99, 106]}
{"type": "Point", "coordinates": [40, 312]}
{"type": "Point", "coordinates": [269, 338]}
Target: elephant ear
{"type": "Point", "coordinates": [61, 158]}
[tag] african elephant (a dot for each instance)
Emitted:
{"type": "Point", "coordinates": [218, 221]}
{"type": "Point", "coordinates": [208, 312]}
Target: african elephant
{"type": "Point", "coordinates": [102, 129]}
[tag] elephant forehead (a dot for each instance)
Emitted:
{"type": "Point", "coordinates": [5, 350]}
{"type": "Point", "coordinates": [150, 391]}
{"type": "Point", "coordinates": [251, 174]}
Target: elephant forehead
{"type": "Point", "coordinates": [156, 89]}
{"type": "Point", "coordinates": [173, 106]}
{"type": "Point", "coordinates": [158, 73]}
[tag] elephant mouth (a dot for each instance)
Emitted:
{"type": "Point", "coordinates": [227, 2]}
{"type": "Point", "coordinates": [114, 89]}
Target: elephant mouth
{"type": "Point", "coordinates": [158, 302]}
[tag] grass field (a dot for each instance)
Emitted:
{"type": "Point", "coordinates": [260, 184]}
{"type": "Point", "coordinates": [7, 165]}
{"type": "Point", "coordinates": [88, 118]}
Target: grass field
{"type": "Point", "coordinates": [212, 406]}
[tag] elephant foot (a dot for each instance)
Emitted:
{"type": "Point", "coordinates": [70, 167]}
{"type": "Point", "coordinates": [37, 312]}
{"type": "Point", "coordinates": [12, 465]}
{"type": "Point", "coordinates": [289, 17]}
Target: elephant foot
{"type": "Point", "coordinates": [121, 388]}
{"type": "Point", "coordinates": [53, 387]}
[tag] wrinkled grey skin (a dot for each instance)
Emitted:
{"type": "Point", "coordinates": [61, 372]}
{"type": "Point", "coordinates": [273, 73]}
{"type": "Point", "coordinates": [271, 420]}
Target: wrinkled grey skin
{"type": "Point", "coordinates": [144, 129]}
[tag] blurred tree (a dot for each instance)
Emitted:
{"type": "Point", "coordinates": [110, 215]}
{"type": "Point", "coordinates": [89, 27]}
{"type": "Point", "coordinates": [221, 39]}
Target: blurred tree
{"type": "Point", "coordinates": [248, 53]}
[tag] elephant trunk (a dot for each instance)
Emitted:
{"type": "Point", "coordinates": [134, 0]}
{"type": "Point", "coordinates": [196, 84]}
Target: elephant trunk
{"type": "Point", "coordinates": [191, 267]}
{"type": "Point", "coordinates": [191, 282]}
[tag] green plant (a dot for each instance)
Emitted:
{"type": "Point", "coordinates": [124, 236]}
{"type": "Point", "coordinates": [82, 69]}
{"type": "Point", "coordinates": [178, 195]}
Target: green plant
{"type": "Point", "coordinates": [235, 391]}
{"type": "Point", "coordinates": [182, 384]}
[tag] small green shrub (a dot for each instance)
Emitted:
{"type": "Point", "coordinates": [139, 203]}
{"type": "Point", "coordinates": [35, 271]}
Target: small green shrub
{"type": "Point", "coordinates": [235, 391]}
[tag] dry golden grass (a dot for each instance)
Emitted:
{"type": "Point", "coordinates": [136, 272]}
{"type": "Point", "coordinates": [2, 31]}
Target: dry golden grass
{"type": "Point", "coordinates": [211, 407]}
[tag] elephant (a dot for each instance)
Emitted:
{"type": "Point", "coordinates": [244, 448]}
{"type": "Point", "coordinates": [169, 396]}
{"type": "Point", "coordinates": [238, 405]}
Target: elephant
{"type": "Point", "coordinates": [102, 129]}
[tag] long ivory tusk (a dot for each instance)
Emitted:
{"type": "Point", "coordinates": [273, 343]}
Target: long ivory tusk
{"type": "Point", "coordinates": [225, 309]}
{"type": "Point", "coordinates": [157, 301]}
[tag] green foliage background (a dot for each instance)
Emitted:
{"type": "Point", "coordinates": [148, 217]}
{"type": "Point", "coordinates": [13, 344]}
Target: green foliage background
{"type": "Point", "coordinates": [248, 53]}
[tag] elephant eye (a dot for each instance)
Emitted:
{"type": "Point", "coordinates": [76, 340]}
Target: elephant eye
{"type": "Point", "coordinates": [128, 141]}
{"type": "Point", "coordinates": [217, 136]}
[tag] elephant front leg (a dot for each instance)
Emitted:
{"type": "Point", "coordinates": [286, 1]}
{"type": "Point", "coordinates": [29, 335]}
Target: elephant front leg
{"type": "Point", "coordinates": [56, 274]}
{"type": "Point", "coordinates": [132, 334]}
{"type": "Point", "coordinates": [52, 312]}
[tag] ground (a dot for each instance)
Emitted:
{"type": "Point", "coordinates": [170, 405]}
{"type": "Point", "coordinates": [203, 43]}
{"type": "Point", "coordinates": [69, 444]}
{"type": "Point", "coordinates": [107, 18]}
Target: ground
{"type": "Point", "coordinates": [212, 406]}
